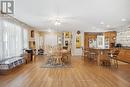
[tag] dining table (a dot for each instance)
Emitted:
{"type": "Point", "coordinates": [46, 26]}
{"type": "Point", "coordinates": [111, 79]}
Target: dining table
{"type": "Point", "coordinates": [101, 53]}
{"type": "Point", "coordinates": [59, 56]}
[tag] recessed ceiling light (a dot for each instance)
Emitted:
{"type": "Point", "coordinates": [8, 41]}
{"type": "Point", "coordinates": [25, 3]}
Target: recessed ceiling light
{"type": "Point", "coordinates": [102, 22]}
{"type": "Point", "coordinates": [108, 26]}
{"type": "Point", "coordinates": [123, 19]}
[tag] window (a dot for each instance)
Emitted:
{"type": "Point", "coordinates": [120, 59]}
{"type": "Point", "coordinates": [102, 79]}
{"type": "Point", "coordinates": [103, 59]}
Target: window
{"type": "Point", "coordinates": [25, 38]}
{"type": "Point", "coordinates": [13, 39]}
{"type": "Point", "coordinates": [1, 40]}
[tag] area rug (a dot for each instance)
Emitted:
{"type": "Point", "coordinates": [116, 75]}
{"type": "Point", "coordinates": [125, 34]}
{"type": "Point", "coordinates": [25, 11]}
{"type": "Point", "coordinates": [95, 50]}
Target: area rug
{"type": "Point", "coordinates": [49, 64]}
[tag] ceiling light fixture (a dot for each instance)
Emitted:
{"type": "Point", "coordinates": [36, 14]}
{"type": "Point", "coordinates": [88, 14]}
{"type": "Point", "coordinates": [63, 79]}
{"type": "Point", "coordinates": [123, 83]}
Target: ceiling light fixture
{"type": "Point", "coordinates": [108, 26]}
{"type": "Point", "coordinates": [57, 22]}
{"type": "Point", "coordinates": [102, 22]}
{"type": "Point", "coordinates": [123, 19]}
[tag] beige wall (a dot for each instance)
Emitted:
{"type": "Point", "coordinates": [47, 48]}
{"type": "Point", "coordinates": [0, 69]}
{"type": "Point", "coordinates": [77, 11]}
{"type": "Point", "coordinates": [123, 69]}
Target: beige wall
{"type": "Point", "coordinates": [77, 51]}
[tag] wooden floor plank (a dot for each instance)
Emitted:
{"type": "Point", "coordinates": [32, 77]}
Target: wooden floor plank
{"type": "Point", "coordinates": [82, 74]}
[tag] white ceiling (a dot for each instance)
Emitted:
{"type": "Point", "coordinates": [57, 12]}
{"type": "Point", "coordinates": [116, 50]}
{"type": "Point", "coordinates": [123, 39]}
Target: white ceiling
{"type": "Point", "coordinates": [84, 15]}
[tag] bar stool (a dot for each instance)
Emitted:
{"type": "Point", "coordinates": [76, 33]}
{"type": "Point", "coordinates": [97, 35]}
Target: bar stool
{"type": "Point", "coordinates": [113, 58]}
{"type": "Point", "coordinates": [92, 56]}
{"type": "Point", "coordinates": [105, 61]}
{"type": "Point", "coordinates": [86, 53]}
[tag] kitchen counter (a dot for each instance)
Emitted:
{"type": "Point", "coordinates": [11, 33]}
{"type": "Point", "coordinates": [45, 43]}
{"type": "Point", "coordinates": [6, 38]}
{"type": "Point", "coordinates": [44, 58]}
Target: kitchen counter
{"type": "Point", "coordinates": [124, 55]}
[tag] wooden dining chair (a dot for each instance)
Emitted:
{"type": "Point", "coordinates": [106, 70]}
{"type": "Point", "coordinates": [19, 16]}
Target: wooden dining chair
{"type": "Point", "coordinates": [105, 61]}
{"type": "Point", "coordinates": [92, 55]}
{"type": "Point", "coordinates": [57, 57]}
{"type": "Point", "coordinates": [66, 56]}
{"type": "Point", "coordinates": [114, 57]}
{"type": "Point", "coordinates": [85, 54]}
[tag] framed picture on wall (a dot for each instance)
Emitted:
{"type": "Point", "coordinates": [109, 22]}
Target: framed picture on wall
{"type": "Point", "coordinates": [32, 33]}
{"type": "Point", "coordinates": [78, 41]}
{"type": "Point", "coordinates": [67, 34]}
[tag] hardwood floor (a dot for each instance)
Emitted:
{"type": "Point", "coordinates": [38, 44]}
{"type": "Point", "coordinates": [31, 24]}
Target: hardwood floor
{"type": "Point", "coordinates": [82, 74]}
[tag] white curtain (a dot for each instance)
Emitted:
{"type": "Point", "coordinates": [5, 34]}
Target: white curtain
{"type": "Point", "coordinates": [1, 39]}
{"type": "Point", "coordinates": [13, 39]}
{"type": "Point", "coordinates": [25, 39]}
